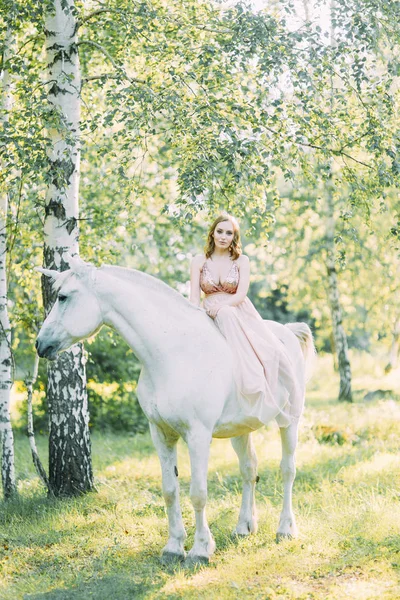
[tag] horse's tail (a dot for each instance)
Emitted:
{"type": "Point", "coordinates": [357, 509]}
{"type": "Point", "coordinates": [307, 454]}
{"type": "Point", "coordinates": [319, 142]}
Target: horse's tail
{"type": "Point", "coordinates": [305, 337]}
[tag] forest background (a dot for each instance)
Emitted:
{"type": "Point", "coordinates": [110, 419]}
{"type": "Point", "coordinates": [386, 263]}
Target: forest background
{"type": "Point", "coordinates": [287, 117]}
{"type": "Point", "coordinates": [284, 113]}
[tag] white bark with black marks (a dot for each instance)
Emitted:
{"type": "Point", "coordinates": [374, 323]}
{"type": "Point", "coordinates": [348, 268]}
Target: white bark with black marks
{"type": "Point", "coordinates": [70, 468]}
{"type": "Point", "coordinates": [6, 433]}
{"type": "Point", "coordinates": [30, 382]}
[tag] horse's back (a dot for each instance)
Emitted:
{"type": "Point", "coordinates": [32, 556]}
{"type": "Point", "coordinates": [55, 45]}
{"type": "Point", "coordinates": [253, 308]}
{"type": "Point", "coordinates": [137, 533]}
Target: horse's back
{"type": "Point", "coordinates": [195, 385]}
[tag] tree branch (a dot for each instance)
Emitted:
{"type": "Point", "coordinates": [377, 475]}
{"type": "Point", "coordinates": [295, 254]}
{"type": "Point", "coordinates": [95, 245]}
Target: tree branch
{"type": "Point", "coordinates": [109, 76]}
{"type": "Point", "coordinates": [112, 61]}
{"type": "Point", "coordinates": [94, 14]}
{"type": "Point", "coordinates": [31, 38]}
{"type": "Point", "coordinates": [13, 234]}
{"type": "Point", "coordinates": [326, 149]}
{"type": "Point", "coordinates": [103, 75]}
{"type": "Point", "coordinates": [337, 153]}
{"type": "Point", "coordinates": [103, 51]}
{"type": "Point", "coordinates": [357, 139]}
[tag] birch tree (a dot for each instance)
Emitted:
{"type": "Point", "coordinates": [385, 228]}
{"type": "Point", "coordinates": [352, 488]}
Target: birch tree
{"type": "Point", "coordinates": [328, 246]}
{"type": "Point", "coordinates": [70, 468]}
{"type": "Point", "coordinates": [7, 440]}
{"type": "Point", "coordinates": [339, 335]}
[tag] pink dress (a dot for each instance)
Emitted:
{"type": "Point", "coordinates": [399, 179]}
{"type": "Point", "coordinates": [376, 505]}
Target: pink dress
{"type": "Point", "coordinates": [270, 386]}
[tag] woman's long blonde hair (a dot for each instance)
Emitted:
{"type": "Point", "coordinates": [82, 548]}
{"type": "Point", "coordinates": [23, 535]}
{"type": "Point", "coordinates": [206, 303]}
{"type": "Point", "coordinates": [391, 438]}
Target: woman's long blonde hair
{"type": "Point", "coordinates": [235, 248]}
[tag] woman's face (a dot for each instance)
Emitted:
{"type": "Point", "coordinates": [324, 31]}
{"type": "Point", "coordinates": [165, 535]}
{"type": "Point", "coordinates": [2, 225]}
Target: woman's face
{"type": "Point", "coordinates": [223, 234]}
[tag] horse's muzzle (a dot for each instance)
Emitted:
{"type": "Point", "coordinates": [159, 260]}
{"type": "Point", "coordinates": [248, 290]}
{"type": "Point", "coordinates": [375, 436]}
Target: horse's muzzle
{"type": "Point", "coordinates": [46, 351]}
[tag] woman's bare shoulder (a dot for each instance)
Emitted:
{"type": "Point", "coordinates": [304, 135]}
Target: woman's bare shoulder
{"type": "Point", "coordinates": [243, 260]}
{"type": "Point", "coordinates": [198, 260]}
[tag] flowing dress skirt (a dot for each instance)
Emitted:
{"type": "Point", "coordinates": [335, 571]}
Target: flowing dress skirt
{"type": "Point", "coordinates": [268, 362]}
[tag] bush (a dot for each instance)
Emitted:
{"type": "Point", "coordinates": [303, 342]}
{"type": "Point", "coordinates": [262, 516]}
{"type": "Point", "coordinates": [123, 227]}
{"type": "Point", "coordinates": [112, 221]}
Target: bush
{"type": "Point", "coordinates": [114, 407]}
{"type": "Point", "coordinates": [112, 373]}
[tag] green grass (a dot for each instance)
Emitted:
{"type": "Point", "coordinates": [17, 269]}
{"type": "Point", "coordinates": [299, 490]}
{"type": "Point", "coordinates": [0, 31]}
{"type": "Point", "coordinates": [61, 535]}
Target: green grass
{"type": "Point", "coordinates": [106, 545]}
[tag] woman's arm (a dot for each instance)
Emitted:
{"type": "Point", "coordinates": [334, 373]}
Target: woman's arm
{"type": "Point", "coordinates": [195, 268]}
{"type": "Point", "coordinates": [244, 283]}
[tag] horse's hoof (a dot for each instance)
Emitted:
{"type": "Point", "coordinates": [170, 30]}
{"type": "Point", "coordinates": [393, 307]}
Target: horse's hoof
{"type": "Point", "coordinates": [237, 534]}
{"type": "Point", "coordinates": [245, 529]}
{"type": "Point", "coordinates": [196, 561]}
{"type": "Point", "coordinates": [280, 537]}
{"type": "Point", "coordinates": [170, 558]}
{"type": "Point", "coordinates": [240, 533]}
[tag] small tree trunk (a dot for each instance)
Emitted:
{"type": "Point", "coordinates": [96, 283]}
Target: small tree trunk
{"type": "Point", "coordinates": [338, 331]}
{"type": "Point", "coordinates": [334, 353]}
{"type": "Point", "coordinates": [30, 382]}
{"type": "Point", "coordinates": [306, 11]}
{"type": "Point", "coordinates": [394, 348]}
{"type": "Point", "coordinates": [6, 433]}
{"type": "Point", "coordinates": [70, 467]}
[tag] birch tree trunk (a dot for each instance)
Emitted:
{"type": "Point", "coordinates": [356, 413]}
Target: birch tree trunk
{"type": "Point", "coordinates": [394, 348]}
{"type": "Point", "coordinates": [339, 334]}
{"type": "Point", "coordinates": [6, 433]}
{"type": "Point", "coordinates": [70, 467]}
{"type": "Point", "coordinates": [338, 331]}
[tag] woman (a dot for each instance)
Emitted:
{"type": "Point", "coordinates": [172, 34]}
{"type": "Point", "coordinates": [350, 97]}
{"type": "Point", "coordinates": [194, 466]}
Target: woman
{"type": "Point", "coordinates": [270, 386]}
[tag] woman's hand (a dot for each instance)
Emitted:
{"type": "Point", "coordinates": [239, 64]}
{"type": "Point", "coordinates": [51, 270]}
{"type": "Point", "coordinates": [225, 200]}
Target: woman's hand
{"type": "Point", "coordinates": [213, 311]}
{"type": "Point", "coordinates": [213, 303]}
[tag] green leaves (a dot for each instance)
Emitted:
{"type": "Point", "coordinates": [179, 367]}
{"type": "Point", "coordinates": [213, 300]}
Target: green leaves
{"type": "Point", "coordinates": [190, 107]}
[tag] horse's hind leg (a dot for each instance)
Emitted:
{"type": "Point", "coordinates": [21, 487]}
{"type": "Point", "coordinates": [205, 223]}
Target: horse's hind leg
{"type": "Point", "coordinates": [287, 523]}
{"type": "Point", "coordinates": [243, 447]}
{"type": "Point", "coordinates": [166, 449]}
{"type": "Point", "coordinates": [198, 442]}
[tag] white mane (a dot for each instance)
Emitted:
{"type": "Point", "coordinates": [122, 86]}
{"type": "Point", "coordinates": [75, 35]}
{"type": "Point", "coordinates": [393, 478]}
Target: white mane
{"type": "Point", "coordinates": [131, 275]}
{"type": "Point", "coordinates": [134, 276]}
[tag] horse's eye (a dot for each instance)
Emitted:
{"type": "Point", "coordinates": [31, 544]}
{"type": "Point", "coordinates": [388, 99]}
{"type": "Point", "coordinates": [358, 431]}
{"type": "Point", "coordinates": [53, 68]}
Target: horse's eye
{"type": "Point", "coordinates": [62, 298]}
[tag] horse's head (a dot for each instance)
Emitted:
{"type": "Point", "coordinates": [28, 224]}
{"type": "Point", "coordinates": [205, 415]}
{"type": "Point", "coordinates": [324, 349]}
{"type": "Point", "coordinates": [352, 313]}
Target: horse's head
{"type": "Point", "coordinates": [76, 313]}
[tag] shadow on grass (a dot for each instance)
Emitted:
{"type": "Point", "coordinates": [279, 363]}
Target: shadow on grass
{"type": "Point", "coordinates": [111, 447]}
{"type": "Point", "coordinates": [38, 511]}
{"type": "Point", "coordinates": [308, 477]}
{"type": "Point", "coordinates": [329, 468]}
{"type": "Point", "coordinates": [315, 401]}
{"type": "Point", "coordinates": [113, 586]}
{"type": "Point", "coordinates": [124, 573]}
{"type": "Point", "coordinates": [38, 508]}
{"type": "Point", "coordinates": [107, 449]}
{"type": "Point", "coordinates": [138, 577]}
{"type": "Point", "coordinates": [359, 552]}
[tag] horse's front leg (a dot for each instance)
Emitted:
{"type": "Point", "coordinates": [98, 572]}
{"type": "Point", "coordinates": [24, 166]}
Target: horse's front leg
{"type": "Point", "coordinates": [166, 449]}
{"type": "Point", "coordinates": [287, 523]}
{"type": "Point", "coordinates": [198, 442]}
{"type": "Point", "coordinates": [243, 447]}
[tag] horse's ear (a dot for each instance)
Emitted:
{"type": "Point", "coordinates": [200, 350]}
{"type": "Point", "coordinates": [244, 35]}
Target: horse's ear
{"type": "Point", "coordinates": [76, 264]}
{"type": "Point", "coordinates": [49, 273]}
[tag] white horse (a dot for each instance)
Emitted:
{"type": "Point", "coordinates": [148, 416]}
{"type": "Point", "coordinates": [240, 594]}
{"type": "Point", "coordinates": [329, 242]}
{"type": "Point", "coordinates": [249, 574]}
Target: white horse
{"type": "Point", "coordinates": [186, 387]}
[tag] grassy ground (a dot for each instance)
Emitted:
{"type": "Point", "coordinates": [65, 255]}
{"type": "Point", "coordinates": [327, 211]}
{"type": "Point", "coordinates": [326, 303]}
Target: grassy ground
{"type": "Point", "coordinates": [107, 545]}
